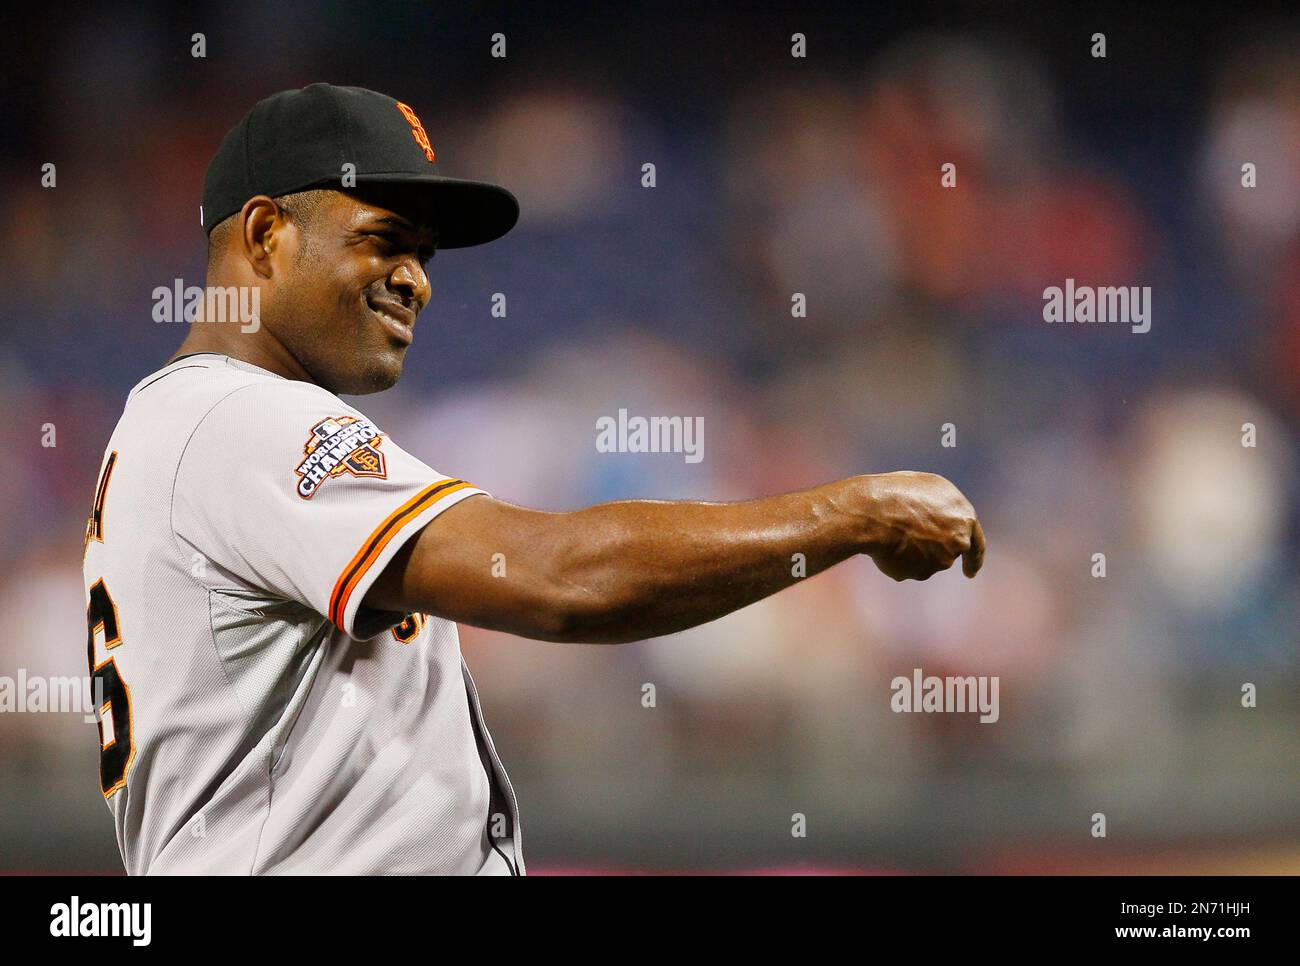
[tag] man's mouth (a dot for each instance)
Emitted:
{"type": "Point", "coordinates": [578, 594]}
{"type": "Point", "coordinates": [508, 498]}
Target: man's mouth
{"type": "Point", "coordinates": [396, 318]}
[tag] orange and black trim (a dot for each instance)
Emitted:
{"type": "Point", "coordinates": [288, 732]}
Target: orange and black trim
{"type": "Point", "coordinates": [380, 538]}
{"type": "Point", "coordinates": [95, 525]}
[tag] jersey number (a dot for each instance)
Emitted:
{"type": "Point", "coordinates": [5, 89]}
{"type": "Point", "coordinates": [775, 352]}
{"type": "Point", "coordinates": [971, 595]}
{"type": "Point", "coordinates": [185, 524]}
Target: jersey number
{"type": "Point", "coordinates": [114, 697]}
{"type": "Point", "coordinates": [117, 749]}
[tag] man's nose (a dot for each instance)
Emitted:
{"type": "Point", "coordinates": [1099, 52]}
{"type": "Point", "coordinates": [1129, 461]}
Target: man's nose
{"type": "Point", "coordinates": [410, 276]}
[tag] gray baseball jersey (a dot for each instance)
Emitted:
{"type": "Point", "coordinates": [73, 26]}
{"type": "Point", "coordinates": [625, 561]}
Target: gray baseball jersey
{"type": "Point", "coordinates": [255, 718]}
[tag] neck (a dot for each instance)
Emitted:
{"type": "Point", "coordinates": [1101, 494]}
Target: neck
{"type": "Point", "coordinates": [258, 347]}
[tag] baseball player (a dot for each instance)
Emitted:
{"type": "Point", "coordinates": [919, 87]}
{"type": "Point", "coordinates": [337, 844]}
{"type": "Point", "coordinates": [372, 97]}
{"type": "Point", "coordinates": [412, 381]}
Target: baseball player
{"type": "Point", "coordinates": [273, 583]}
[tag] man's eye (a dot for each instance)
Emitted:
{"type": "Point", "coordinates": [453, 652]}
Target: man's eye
{"type": "Point", "coordinates": [394, 245]}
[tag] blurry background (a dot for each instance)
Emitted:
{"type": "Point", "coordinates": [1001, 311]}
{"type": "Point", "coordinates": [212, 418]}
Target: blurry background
{"type": "Point", "coordinates": [775, 175]}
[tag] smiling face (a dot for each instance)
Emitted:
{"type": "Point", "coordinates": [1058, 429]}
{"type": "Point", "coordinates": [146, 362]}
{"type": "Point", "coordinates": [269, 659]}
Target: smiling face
{"type": "Point", "coordinates": [348, 287]}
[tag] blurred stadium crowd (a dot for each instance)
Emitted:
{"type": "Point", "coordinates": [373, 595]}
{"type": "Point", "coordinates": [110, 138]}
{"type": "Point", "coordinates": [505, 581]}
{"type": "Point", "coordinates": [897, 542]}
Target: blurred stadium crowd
{"type": "Point", "coordinates": [1120, 694]}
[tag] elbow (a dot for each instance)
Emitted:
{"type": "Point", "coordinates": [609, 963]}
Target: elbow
{"type": "Point", "coordinates": [540, 610]}
{"type": "Point", "coordinates": [587, 622]}
{"type": "Point", "coordinates": [578, 615]}
{"type": "Point", "coordinates": [590, 593]}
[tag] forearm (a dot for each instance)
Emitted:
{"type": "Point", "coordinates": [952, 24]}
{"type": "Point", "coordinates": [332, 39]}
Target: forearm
{"type": "Point", "coordinates": [638, 569]}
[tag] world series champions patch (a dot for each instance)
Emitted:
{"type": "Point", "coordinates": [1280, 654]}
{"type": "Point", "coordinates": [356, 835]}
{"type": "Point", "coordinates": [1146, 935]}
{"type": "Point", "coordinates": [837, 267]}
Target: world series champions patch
{"type": "Point", "coordinates": [338, 445]}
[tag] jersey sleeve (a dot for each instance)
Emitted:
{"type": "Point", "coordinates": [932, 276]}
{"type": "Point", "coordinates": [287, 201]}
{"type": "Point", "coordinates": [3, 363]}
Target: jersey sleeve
{"type": "Point", "coordinates": [295, 493]}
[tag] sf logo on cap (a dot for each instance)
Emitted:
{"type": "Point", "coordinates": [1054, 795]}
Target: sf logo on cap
{"type": "Point", "coordinates": [417, 130]}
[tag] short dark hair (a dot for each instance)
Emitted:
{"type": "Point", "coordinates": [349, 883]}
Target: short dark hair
{"type": "Point", "coordinates": [302, 207]}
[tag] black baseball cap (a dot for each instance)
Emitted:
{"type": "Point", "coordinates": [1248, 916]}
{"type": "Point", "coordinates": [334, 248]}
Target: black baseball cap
{"type": "Point", "coordinates": [300, 139]}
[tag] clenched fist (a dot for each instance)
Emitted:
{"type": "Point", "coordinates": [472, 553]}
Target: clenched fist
{"type": "Point", "coordinates": [918, 524]}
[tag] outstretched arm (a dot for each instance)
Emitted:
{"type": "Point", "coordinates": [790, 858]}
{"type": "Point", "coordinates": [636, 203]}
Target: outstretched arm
{"type": "Point", "coordinates": [634, 569]}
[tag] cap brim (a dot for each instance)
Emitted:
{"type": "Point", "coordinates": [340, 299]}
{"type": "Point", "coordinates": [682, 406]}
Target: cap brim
{"type": "Point", "coordinates": [464, 213]}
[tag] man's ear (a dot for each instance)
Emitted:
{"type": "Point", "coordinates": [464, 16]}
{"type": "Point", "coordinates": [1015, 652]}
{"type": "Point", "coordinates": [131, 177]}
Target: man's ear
{"type": "Point", "coordinates": [264, 229]}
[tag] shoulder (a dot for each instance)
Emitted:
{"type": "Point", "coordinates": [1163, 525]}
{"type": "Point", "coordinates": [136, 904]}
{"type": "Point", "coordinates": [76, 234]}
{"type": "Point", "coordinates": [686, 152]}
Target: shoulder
{"type": "Point", "coordinates": [274, 423]}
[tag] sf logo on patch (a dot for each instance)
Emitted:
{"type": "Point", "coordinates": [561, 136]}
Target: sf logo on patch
{"type": "Point", "coordinates": [338, 445]}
